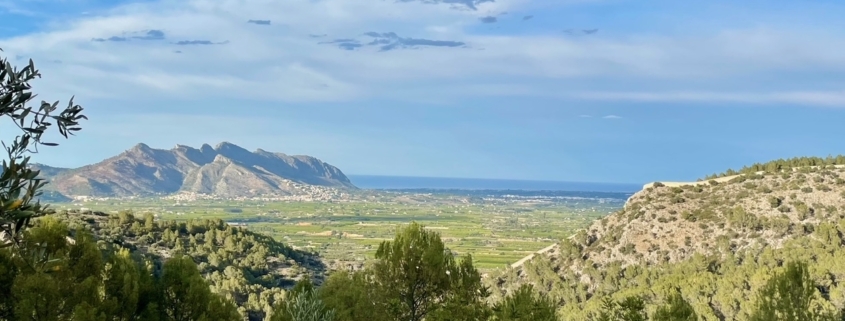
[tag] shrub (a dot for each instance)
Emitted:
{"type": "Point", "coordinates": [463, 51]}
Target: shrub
{"type": "Point", "coordinates": [775, 201]}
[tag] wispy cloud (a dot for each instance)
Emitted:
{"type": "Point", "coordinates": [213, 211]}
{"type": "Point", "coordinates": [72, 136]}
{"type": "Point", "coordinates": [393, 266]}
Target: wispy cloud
{"type": "Point", "coordinates": [344, 43]}
{"type": "Point", "coordinates": [112, 38]}
{"type": "Point", "coordinates": [832, 98]}
{"type": "Point", "coordinates": [13, 7]}
{"type": "Point", "coordinates": [488, 19]}
{"type": "Point", "coordinates": [612, 117]}
{"type": "Point", "coordinates": [259, 22]}
{"type": "Point", "coordinates": [577, 32]}
{"type": "Point", "coordinates": [139, 35]}
{"type": "Point", "coordinates": [327, 42]}
{"type": "Point", "coordinates": [387, 41]}
{"type": "Point", "coordinates": [461, 4]}
{"type": "Point", "coordinates": [151, 35]}
{"type": "Point", "coordinates": [199, 42]}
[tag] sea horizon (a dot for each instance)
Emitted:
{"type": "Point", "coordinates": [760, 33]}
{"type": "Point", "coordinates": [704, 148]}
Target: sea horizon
{"type": "Point", "coordinates": [388, 182]}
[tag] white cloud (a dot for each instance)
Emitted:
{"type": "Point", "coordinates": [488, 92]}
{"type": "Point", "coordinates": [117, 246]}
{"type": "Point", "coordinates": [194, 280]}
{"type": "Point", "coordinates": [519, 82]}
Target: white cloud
{"type": "Point", "coordinates": [816, 98]}
{"type": "Point", "coordinates": [279, 62]}
{"type": "Point", "coordinates": [612, 117]}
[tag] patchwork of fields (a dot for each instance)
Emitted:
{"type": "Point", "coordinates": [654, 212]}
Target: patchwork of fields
{"type": "Point", "coordinates": [497, 230]}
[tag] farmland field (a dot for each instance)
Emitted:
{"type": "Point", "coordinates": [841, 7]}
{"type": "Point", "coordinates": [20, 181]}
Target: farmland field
{"type": "Point", "coordinates": [497, 229]}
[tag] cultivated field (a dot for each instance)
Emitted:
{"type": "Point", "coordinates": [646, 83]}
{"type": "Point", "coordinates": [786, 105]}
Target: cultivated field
{"type": "Point", "coordinates": [497, 231]}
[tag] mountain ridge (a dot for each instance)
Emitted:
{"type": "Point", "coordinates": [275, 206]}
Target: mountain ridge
{"type": "Point", "coordinates": [226, 170]}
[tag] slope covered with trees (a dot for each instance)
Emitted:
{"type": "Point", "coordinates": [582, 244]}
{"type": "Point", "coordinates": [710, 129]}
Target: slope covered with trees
{"type": "Point", "coordinates": [780, 165]}
{"type": "Point", "coordinates": [247, 268]}
{"type": "Point", "coordinates": [718, 244]}
{"type": "Point", "coordinates": [62, 278]}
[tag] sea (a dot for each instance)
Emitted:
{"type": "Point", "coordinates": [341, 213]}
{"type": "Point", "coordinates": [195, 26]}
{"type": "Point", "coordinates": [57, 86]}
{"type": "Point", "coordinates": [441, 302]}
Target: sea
{"type": "Point", "coordinates": [516, 187]}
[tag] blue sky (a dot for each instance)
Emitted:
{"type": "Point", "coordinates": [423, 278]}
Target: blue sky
{"type": "Point", "coordinates": [581, 90]}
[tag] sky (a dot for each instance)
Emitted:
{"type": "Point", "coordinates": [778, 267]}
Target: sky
{"type": "Point", "coordinates": [565, 90]}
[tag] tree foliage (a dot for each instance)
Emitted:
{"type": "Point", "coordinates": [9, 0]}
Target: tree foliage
{"type": "Point", "coordinates": [525, 304]}
{"type": "Point", "coordinates": [790, 296]}
{"type": "Point", "coordinates": [782, 165]}
{"type": "Point", "coordinates": [302, 303]}
{"type": "Point", "coordinates": [19, 185]}
{"type": "Point", "coordinates": [676, 309]}
{"type": "Point", "coordinates": [246, 268]}
{"type": "Point", "coordinates": [86, 282]}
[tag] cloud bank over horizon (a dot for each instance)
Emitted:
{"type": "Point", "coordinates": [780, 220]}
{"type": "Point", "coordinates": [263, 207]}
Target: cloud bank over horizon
{"type": "Point", "coordinates": [204, 58]}
{"type": "Point", "coordinates": [443, 46]}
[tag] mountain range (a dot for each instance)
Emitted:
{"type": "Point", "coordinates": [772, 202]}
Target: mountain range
{"type": "Point", "coordinates": [226, 170]}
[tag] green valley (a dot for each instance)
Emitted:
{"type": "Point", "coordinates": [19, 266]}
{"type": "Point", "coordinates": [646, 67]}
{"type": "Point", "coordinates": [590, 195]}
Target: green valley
{"type": "Point", "coordinates": [497, 231]}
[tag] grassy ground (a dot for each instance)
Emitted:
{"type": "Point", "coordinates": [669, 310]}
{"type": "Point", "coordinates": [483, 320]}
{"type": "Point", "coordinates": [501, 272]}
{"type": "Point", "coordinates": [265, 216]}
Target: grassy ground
{"type": "Point", "coordinates": [495, 233]}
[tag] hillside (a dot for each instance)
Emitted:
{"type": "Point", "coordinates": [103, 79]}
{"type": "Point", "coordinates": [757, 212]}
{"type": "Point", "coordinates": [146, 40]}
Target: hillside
{"type": "Point", "coordinates": [248, 268]}
{"type": "Point", "coordinates": [714, 240]}
{"type": "Point", "coordinates": [226, 170]}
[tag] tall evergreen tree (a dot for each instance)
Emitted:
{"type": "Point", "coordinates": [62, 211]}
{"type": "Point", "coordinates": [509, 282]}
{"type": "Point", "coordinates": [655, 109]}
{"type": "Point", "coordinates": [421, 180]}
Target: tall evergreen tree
{"type": "Point", "coordinates": [413, 271]}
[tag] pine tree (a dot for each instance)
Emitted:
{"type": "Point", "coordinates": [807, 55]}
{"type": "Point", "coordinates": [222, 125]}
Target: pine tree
{"type": "Point", "coordinates": [413, 273]}
{"type": "Point", "coordinates": [629, 309]}
{"type": "Point", "coordinates": [788, 296]}
{"type": "Point", "coordinates": [120, 287]}
{"type": "Point", "coordinates": [302, 304]}
{"type": "Point", "coordinates": [352, 297]}
{"type": "Point", "coordinates": [465, 301]}
{"type": "Point", "coordinates": [525, 305]}
{"type": "Point", "coordinates": [186, 294]}
{"type": "Point", "coordinates": [676, 309]}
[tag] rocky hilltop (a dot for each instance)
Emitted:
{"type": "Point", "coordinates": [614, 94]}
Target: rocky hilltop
{"type": "Point", "coordinates": [712, 239]}
{"type": "Point", "coordinates": [226, 170]}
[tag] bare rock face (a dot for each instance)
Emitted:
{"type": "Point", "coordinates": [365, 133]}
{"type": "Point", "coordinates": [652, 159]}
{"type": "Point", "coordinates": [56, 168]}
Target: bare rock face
{"type": "Point", "coordinates": [226, 170]}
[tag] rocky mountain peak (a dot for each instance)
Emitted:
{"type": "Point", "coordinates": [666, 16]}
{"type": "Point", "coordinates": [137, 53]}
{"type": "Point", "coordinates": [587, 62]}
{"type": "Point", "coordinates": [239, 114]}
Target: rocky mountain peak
{"type": "Point", "coordinates": [143, 170]}
{"type": "Point", "coordinates": [141, 147]}
{"type": "Point", "coordinates": [206, 148]}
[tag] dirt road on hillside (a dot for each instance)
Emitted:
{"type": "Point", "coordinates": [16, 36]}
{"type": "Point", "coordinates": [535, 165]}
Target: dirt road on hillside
{"type": "Point", "coordinates": [530, 256]}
